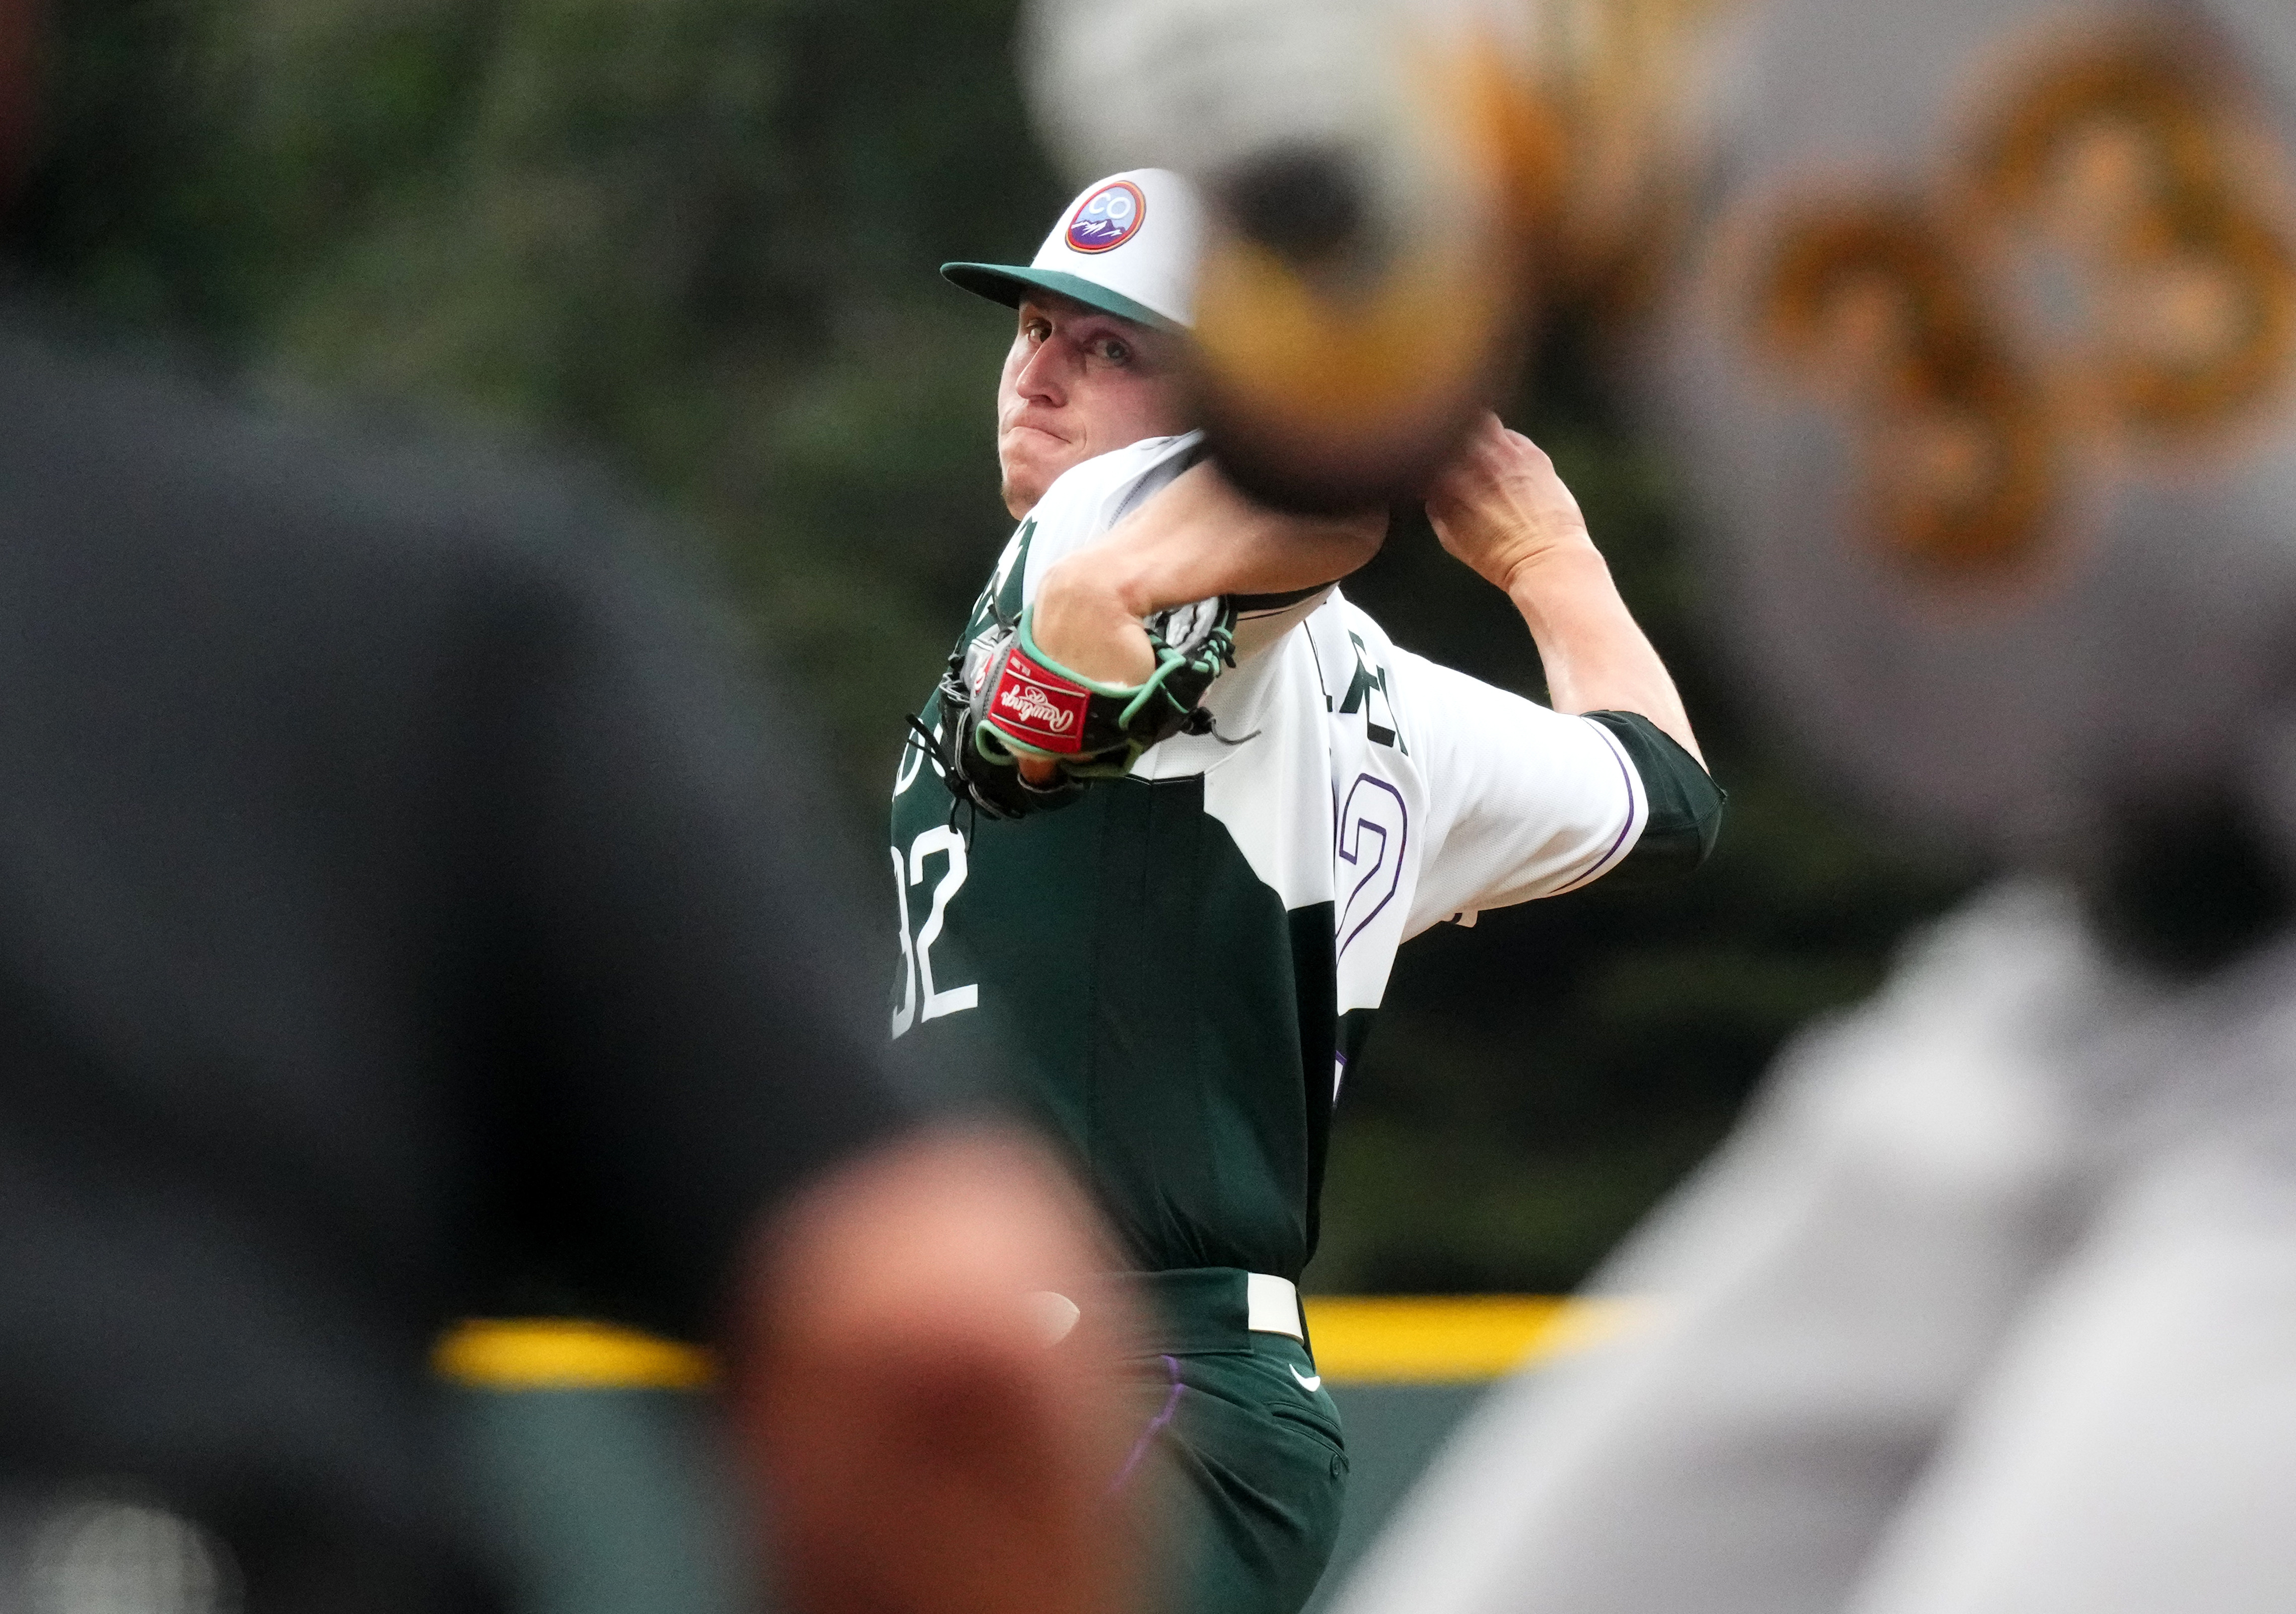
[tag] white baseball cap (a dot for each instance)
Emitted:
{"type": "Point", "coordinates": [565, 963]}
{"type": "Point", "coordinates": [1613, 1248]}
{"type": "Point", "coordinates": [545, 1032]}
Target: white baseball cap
{"type": "Point", "coordinates": [1128, 245]}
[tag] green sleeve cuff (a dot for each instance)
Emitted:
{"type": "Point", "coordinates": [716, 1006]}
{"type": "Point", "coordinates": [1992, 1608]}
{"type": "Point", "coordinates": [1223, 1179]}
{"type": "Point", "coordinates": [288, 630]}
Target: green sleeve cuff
{"type": "Point", "coordinates": [1686, 803]}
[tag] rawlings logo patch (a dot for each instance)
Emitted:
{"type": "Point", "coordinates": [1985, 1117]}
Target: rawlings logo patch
{"type": "Point", "coordinates": [1037, 706]}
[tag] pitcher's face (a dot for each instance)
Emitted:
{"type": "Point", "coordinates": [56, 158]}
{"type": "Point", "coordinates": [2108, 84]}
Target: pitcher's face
{"type": "Point", "coordinates": [1077, 384]}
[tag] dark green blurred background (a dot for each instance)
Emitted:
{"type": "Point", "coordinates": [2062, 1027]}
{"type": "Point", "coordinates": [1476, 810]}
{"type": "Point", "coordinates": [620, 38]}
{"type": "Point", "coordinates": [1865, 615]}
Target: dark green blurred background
{"type": "Point", "coordinates": [695, 239]}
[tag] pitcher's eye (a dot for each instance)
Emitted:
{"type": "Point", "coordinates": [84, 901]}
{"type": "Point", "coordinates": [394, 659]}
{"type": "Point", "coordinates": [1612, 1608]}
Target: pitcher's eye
{"type": "Point", "coordinates": [1110, 350]}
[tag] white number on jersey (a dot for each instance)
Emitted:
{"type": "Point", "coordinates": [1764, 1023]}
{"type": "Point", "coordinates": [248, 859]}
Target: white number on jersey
{"type": "Point", "coordinates": [917, 955]}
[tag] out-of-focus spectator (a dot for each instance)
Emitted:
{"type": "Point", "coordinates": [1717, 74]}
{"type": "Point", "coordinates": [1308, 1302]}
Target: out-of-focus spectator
{"type": "Point", "coordinates": [1987, 395]}
{"type": "Point", "coordinates": [395, 895]}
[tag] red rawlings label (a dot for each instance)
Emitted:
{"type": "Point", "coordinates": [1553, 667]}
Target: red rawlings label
{"type": "Point", "coordinates": [1039, 706]}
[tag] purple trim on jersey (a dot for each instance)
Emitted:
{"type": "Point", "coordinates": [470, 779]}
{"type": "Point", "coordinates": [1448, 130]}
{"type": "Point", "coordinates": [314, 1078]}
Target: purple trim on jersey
{"type": "Point", "coordinates": [1156, 1426]}
{"type": "Point", "coordinates": [1364, 822]}
{"type": "Point", "coordinates": [1602, 863]}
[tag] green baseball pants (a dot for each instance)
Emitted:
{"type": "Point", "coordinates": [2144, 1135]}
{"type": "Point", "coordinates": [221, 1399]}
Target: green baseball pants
{"type": "Point", "coordinates": [1242, 1448]}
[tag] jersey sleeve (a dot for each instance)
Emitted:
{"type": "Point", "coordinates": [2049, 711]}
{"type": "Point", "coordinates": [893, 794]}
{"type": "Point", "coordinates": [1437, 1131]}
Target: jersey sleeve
{"type": "Point", "coordinates": [1686, 803]}
{"type": "Point", "coordinates": [1523, 801]}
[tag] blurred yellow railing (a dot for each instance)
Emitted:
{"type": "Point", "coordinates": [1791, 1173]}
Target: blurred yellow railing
{"type": "Point", "coordinates": [1358, 1340]}
{"type": "Point", "coordinates": [547, 1353]}
{"type": "Point", "coordinates": [1456, 1340]}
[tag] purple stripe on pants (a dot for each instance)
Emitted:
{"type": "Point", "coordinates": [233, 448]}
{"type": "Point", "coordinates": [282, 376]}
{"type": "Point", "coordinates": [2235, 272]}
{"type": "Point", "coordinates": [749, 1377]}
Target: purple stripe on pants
{"type": "Point", "coordinates": [1156, 1426]}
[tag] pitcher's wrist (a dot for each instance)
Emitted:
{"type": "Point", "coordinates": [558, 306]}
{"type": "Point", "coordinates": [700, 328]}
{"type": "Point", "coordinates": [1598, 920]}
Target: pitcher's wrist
{"type": "Point", "coordinates": [1544, 579]}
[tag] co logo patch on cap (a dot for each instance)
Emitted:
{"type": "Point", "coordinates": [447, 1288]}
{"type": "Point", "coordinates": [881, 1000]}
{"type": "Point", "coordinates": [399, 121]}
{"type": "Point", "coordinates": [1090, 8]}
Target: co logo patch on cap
{"type": "Point", "coordinates": [1110, 217]}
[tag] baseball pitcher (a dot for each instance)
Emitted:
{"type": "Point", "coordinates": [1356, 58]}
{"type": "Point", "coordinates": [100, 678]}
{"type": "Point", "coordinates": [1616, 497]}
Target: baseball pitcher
{"type": "Point", "coordinates": [1164, 823]}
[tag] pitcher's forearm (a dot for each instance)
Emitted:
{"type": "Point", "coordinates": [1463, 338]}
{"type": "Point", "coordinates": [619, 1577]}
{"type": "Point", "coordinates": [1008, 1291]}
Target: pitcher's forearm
{"type": "Point", "coordinates": [1196, 539]}
{"type": "Point", "coordinates": [1597, 658]}
{"type": "Point", "coordinates": [1200, 537]}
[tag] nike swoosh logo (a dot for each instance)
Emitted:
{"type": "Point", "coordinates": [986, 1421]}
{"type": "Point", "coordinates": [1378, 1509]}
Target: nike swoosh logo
{"type": "Point", "coordinates": [1306, 1382]}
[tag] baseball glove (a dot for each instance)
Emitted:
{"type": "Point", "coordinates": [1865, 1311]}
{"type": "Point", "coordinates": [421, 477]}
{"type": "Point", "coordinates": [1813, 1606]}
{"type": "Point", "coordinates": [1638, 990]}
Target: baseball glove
{"type": "Point", "coordinates": [1003, 698]}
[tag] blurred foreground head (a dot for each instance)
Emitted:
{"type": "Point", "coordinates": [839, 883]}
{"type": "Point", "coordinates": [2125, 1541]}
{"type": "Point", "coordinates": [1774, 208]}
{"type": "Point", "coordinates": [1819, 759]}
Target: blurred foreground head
{"type": "Point", "coordinates": [1984, 378]}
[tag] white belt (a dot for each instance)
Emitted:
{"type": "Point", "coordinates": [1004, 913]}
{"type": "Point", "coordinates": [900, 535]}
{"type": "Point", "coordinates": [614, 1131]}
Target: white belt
{"type": "Point", "coordinates": [1272, 1306]}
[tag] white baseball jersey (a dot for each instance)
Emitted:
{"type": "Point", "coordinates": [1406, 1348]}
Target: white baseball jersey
{"type": "Point", "coordinates": [1192, 953]}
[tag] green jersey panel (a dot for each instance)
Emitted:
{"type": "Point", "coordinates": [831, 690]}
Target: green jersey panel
{"type": "Point", "coordinates": [1160, 1010]}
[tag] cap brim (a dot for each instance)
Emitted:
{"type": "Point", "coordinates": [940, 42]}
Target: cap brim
{"type": "Point", "coordinates": [1008, 283]}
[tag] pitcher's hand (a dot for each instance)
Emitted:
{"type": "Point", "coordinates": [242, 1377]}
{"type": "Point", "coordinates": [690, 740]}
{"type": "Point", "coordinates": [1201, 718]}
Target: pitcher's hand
{"type": "Point", "coordinates": [1500, 508]}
